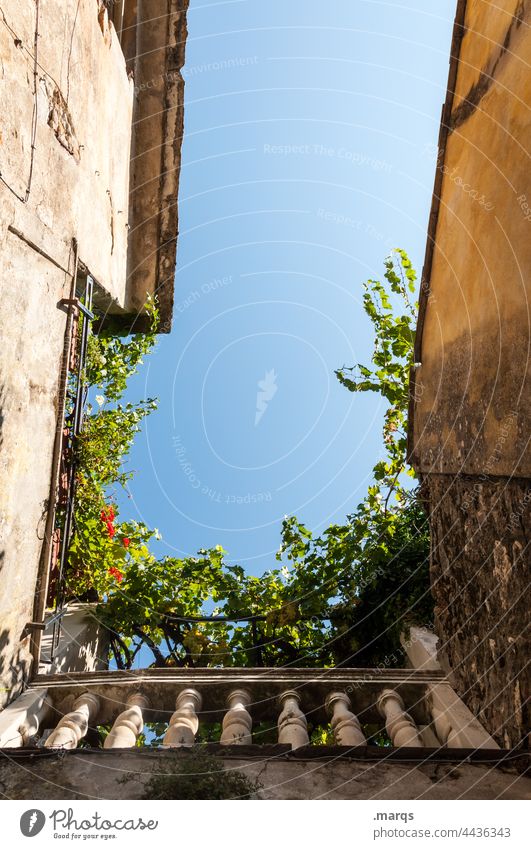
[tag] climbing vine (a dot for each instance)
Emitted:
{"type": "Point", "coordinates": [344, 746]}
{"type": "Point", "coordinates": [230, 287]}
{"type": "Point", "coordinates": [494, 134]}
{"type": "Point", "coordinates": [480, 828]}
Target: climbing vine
{"type": "Point", "coordinates": [102, 545]}
{"type": "Point", "coordinates": [381, 553]}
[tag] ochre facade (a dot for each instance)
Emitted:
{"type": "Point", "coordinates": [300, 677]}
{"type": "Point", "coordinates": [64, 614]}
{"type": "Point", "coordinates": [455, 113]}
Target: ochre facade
{"type": "Point", "coordinates": [470, 395]}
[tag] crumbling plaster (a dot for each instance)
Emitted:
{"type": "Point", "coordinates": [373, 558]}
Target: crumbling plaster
{"type": "Point", "coordinates": [29, 372]}
{"type": "Point", "coordinates": [84, 101]}
{"type": "Point", "coordinates": [97, 774]}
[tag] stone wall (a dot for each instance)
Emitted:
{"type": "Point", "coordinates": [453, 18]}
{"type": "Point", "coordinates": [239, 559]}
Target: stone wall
{"type": "Point", "coordinates": [75, 106]}
{"type": "Point", "coordinates": [470, 391]}
{"type": "Point", "coordinates": [29, 374]}
{"type": "Point", "coordinates": [480, 582]}
{"type": "Point", "coordinates": [72, 110]}
{"type": "Point", "coordinates": [97, 774]}
{"type": "Point", "coordinates": [64, 162]}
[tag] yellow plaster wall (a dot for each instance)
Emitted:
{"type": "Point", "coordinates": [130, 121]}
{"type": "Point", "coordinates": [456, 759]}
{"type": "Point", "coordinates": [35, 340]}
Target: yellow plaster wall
{"type": "Point", "coordinates": [472, 409]}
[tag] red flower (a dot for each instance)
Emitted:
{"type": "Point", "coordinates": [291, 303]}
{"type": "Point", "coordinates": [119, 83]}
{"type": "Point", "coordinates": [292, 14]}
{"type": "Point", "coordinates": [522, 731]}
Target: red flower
{"type": "Point", "coordinates": [107, 517]}
{"type": "Point", "coordinates": [115, 573]}
{"type": "Point", "coordinates": [126, 542]}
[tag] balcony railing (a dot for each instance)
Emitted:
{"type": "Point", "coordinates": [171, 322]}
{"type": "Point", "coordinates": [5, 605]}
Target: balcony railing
{"type": "Point", "coordinates": [417, 707]}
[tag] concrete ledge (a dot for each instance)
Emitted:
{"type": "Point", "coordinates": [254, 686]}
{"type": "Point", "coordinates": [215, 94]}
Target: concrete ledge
{"type": "Point", "coordinates": [319, 772]}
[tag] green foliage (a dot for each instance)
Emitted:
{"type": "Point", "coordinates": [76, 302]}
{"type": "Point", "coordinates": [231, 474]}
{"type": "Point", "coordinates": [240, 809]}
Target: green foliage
{"type": "Point", "coordinates": [386, 592]}
{"type": "Point", "coordinates": [102, 547]}
{"type": "Point", "coordinates": [152, 736]}
{"type": "Point", "coordinates": [111, 360]}
{"type": "Point", "coordinates": [391, 361]}
{"type": "Point", "coordinates": [157, 599]}
{"type": "Point", "coordinates": [197, 775]}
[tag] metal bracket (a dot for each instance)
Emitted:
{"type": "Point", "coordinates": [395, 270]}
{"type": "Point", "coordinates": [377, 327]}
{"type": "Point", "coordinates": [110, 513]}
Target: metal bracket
{"type": "Point", "coordinates": [75, 302]}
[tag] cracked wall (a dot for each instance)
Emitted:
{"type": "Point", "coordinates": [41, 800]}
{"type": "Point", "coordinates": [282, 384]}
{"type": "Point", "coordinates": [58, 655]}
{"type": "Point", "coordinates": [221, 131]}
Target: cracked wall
{"type": "Point", "coordinates": [64, 162]}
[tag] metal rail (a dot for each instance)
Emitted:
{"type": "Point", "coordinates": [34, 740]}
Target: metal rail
{"type": "Point", "coordinates": [73, 425]}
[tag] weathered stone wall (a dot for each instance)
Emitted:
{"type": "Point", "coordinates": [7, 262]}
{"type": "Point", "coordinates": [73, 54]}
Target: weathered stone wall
{"type": "Point", "coordinates": [470, 392]}
{"type": "Point", "coordinates": [64, 162]}
{"type": "Point", "coordinates": [156, 61]}
{"type": "Point", "coordinates": [97, 774]}
{"type": "Point", "coordinates": [481, 537]}
{"type": "Point", "coordinates": [31, 329]}
{"type": "Point", "coordinates": [81, 111]}
{"type": "Point", "coordinates": [70, 113]}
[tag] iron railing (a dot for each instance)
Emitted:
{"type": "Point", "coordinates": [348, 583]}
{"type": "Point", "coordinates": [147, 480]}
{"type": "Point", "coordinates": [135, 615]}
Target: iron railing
{"type": "Point", "coordinates": [76, 398]}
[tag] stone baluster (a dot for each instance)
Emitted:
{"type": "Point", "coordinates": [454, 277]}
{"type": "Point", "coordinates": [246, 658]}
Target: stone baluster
{"type": "Point", "coordinates": [441, 725]}
{"type": "Point", "coordinates": [184, 722]}
{"type": "Point", "coordinates": [74, 725]}
{"type": "Point", "coordinates": [345, 724]}
{"type": "Point", "coordinates": [455, 725]}
{"type": "Point", "coordinates": [22, 719]}
{"type": "Point", "coordinates": [399, 725]}
{"type": "Point", "coordinates": [128, 725]}
{"type": "Point", "coordinates": [237, 722]}
{"type": "Point", "coordinates": [292, 725]}
{"type": "Point", "coordinates": [429, 737]}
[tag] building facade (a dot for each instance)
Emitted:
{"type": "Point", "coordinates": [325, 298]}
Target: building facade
{"type": "Point", "coordinates": [91, 97]}
{"type": "Point", "coordinates": [470, 390]}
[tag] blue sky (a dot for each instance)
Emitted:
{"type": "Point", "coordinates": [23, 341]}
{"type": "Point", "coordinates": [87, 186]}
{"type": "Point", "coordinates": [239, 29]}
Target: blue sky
{"type": "Point", "coordinates": [310, 131]}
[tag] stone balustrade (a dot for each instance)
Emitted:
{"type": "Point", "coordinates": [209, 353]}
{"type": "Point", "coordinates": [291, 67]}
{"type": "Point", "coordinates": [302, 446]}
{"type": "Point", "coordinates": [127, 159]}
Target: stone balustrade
{"type": "Point", "coordinates": [417, 708]}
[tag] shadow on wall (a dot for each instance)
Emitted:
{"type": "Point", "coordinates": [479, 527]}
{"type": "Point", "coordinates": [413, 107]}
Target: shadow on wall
{"type": "Point", "coordinates": [15, 665]}
{"type": "Point", "coordinates": [15, 660]}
